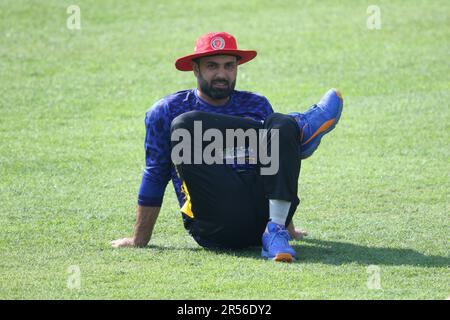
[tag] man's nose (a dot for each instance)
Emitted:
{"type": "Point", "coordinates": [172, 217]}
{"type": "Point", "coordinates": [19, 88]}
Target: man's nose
{"type": "Point", "coordinates": [221, 74]}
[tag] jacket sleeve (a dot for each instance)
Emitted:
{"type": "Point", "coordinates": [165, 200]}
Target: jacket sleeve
{"type": "Point", "coordinates": [157, 156]}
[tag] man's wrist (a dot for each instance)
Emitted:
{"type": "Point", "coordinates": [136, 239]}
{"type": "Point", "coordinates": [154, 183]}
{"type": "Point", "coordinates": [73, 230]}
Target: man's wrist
{"type": "Point", "coordinates": [140, 243]}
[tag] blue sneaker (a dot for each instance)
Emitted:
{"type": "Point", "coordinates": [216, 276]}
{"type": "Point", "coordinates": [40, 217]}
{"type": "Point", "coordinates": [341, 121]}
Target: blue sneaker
{"type": "Point", "coordinates": [318, 121]}
{"type": "Point", "coordinates": [275, 243]}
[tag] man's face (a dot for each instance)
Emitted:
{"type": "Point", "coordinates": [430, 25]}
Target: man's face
{"type": "Point", "coordinates": [216, 75]}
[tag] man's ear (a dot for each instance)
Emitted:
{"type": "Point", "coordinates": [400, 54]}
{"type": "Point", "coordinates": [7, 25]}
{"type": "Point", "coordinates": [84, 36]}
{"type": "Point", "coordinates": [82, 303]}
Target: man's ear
{"type": "Point", "coordinates": [195, 68]}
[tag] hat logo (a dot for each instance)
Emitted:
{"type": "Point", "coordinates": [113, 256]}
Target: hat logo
{"type": "Point", "coordinates": [217, 43]}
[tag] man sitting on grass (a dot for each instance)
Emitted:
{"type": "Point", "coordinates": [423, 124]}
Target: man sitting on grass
{"type": "Point", "coordinates": [230, 204]}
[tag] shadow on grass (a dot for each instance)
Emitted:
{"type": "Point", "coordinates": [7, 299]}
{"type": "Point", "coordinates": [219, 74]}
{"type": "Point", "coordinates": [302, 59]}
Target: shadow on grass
{"type": "Point", "coordinates": [172, 248]}
{"type": "Point", "coordinates": [338, 253]}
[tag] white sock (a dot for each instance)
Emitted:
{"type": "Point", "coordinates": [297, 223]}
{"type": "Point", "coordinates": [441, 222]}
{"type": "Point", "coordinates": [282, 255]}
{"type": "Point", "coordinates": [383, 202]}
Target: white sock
{"type": "Point", "coordinates": [279, 210]}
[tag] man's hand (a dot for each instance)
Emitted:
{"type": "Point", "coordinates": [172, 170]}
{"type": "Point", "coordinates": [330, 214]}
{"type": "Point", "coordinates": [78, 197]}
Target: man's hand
{"type": "Point", "coordinates": [143, 229]}
{"type": "Point", "coordinates": [298, 234]}
{"type": "Point", "coordinates": [295, 233]}
{"type": "Point", "coordinates": [123, 243]}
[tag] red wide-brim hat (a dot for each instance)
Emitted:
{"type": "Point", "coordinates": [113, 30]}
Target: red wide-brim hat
{"type": "Point", "coordinates": [212, 44]}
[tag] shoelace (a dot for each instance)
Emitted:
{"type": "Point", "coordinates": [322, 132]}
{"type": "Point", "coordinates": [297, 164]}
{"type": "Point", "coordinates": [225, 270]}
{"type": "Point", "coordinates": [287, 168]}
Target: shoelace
{"type": "Point", "coordinates": [283, 239]}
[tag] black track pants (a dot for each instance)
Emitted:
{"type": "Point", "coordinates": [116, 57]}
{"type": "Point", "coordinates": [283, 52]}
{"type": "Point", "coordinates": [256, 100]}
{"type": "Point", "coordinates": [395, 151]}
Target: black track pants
{"type": "Point", "coordinates": [231, 207]}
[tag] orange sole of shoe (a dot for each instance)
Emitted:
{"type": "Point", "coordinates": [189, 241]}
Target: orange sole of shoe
{"type": "Point", "coordinates": [283, 257]}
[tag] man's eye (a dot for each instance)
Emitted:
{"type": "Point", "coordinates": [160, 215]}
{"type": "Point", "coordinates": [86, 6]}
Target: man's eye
{"type": "Point", "coordinates": [230, 66]}
{"type": "Point", "coordinates": [211, 66]}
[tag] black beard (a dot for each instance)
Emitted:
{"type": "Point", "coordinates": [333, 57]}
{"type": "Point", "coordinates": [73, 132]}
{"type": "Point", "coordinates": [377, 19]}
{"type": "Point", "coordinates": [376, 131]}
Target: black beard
{"type": "Point", "coordinates": [216, 93]}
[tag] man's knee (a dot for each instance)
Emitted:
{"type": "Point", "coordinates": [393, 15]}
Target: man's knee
{"type": "Point", "coordinates": [186, 120]}
{"type": "Point", "coordinates": [285, 124]}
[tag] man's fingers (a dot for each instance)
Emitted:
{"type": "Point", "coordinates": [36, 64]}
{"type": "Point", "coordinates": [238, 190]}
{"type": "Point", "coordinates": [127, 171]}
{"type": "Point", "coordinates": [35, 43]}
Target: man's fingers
{"type": "Point", "coordinates": [120, 243]}
{"type": "Point", "coordinates": [299, 234]}
{"type": "Point", "coordinates": [114, 243]}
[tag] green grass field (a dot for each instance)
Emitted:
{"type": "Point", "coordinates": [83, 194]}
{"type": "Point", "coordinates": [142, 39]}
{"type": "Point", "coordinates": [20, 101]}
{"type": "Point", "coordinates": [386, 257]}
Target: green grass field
{"type": "Point", "coordinates": [375, 195]}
